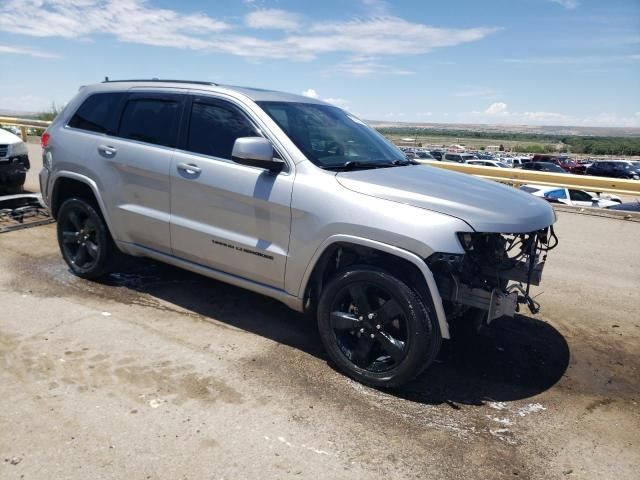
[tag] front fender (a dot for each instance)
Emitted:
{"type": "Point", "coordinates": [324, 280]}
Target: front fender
{"type": "Point", "coordinates": [392, 250]}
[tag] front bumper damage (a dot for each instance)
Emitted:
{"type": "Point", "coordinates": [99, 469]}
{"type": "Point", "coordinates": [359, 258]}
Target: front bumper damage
{"type": "Point", "coordinates": [495, 273]}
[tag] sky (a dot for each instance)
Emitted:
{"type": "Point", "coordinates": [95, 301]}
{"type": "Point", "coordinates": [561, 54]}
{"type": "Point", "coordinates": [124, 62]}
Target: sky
{"type": "Point", "coordinates": [550, 62]}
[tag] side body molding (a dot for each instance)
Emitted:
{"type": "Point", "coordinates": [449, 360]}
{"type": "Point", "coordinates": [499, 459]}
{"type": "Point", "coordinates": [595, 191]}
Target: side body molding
{"type": "Point", "coordinates": [393, 250]}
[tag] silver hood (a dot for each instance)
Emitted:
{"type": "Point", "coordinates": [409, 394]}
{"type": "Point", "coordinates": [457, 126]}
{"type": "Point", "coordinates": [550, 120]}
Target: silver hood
{"type": "Point", "coordinates": [485, 205]}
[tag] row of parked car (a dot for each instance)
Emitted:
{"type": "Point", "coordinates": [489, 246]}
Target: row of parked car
{"type": "Point", "coordinates": [546, 163]}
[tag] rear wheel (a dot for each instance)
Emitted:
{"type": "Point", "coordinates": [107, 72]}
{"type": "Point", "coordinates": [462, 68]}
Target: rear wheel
{"type": "Point", "coordinates": [84, 240]}
{"type": "Point", "coordinates": [375, 328]}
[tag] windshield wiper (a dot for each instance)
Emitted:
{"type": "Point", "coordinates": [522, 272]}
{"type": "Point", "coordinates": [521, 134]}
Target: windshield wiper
{"type": "Point", "coordinates": [354, 164]}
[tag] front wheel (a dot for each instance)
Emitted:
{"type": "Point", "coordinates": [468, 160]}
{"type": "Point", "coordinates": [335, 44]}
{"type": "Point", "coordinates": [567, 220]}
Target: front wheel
{"type": "Point", "coordinates": [375, 328]}
{"type": "Point", "coordinates": [84, 240]}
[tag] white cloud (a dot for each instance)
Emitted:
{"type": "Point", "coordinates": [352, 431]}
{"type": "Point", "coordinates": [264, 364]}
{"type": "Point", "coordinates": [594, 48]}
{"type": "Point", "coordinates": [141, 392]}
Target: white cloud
{"type": "Point", "coordinates": [497, 108]}
{"type": "Point", "coordinates": [15, 50]}
{"type": "Point", "coordinates": [376, 7]}
{"type": "Point", "coordinates": [311, 93]}
{"type": "Point", "coordinates": [272, 18]}
{"type": "Point", "coordinates": [139, 21]}
{"type": "Point", "coordinates": [338, 102]}
{"type": "Point", "coordinates": [128, 20]}
{"type": "Point", "coordinates": [568, 4]}
{"type": "Point", "coordinates": [498, 113]}
{"type": "Point", "coordinates": [364, 66]}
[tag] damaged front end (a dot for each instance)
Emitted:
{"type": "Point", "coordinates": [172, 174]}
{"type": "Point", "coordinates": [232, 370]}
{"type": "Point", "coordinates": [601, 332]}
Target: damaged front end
{"type": "Point", "coordinates": [494, 275]}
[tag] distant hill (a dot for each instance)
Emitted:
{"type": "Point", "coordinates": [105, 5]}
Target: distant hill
{"type": "Point", "coordinates": [17, 113]}
{"type": "Point", "coordinates": [530, 129]}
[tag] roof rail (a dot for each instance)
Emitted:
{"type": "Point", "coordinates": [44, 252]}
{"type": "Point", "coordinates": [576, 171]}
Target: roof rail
{"type": "Point", "coordinates": [163, 80]}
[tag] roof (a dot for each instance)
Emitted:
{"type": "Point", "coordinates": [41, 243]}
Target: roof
{"type": "Point", "coordinates": [255, 94]}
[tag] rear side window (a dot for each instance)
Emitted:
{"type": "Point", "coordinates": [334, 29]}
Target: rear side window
{"type": "Point", "coordinates": [214, 128]}
{"type": "Point", "coordinates": [98, 113]}
{"type": "Point", "coordinates": [151, 120]}
{"type": "Point", "coordinates": [559, 194]}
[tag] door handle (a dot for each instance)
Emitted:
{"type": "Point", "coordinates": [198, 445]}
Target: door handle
{"type": "Point", "coordinates": [107, 151]}
{"type": "Point", "coordinates": [189, 168]}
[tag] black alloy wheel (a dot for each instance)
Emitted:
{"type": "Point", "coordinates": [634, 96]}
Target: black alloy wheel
{"type": "Point", "coordinates": [370, 326]}
{"type": "Point", "coordinates": [84, 240]}
{"type": "Point", "coordinates": [375, 328]}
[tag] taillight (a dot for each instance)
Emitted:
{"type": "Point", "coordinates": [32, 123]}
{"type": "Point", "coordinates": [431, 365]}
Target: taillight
{"type": "Point", "coordinates": [44, 140]}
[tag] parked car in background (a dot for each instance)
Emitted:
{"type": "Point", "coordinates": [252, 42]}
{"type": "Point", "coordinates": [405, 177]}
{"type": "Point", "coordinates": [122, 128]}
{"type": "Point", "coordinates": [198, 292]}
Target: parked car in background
{"type": "Point", "coordinates": [512, 162]}
{"type": "Point", "coordinates": [626, 207]}
{"type": "Point", "coordinates": [571, 196]}
{"type": "Point", "coordinates": [14, 162]}
{"type": "Point", "coordinates": [488, 163]}
{"type": "Point", "coordinates": [615, 169]}
{"type": "Point", "coordinates": [458, 157]}
{"type": "Point", "coordinates": [485, 156]}
{"type": "Point", "coordinates": [422, 155]}
{"type": "Point", "coordinates": [563, 162]}
{"type": "Point", "coordinates": [437, 154]}
{"type": "Point", "coordinates": [543, 167]}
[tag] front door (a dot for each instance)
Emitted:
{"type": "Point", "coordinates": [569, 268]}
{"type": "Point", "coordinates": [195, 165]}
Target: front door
{"type": "Point", "coordinates": [227, 216]}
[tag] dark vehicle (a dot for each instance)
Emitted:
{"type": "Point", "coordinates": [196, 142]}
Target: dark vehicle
{"type": "Point", "coordinates": [543, 167]}
{"type": "Point", "coordinates": [437, 154]}
{"type": "Point", "coordinates": [627, 207]}
{"type": "Point", "coordinates": [615, 169]}
{"type": "Point", "coordinates": [424, 156]}
{"type": "Point", "coordinates": [485, 156]}
{"type": "Point", "coordinates": [565, 163]}
{"type": "Point", "coordinates": [458, 157]}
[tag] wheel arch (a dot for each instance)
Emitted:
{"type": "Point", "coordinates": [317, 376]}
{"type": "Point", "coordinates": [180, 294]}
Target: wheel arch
{"type": "Point", "coordinates": [401, 262]}
{"type": "Point", "coordinates": [67, 184]}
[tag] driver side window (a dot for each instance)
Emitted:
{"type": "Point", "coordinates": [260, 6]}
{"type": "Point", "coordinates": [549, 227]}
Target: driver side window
{"type": "Point", "coordinates": [214, 128]}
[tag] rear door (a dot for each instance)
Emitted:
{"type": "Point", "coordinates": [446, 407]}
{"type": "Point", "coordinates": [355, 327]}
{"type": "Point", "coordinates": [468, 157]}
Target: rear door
{"type": "Point", "coordinates": [137, 163]}
{"type": "Point", "coordinates": [227, 216]}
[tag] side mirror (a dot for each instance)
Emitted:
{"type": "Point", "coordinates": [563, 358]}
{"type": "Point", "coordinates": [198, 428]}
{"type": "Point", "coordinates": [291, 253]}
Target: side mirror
{"type": "Point", "coordinates": [256, 152]}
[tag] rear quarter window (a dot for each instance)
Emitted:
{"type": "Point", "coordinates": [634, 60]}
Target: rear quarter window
{"type": "Point", "coordinates": [98, 113]}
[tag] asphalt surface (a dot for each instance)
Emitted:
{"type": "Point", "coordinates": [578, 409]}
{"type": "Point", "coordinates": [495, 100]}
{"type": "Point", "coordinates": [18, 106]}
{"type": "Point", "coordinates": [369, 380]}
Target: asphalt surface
{"type": "Point", "coordinates": [157, 373]}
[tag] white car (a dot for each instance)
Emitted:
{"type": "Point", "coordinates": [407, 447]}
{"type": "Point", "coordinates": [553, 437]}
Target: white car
{"type": "Point", "coordinates": [14, 161]}
{"type": "Point", "coordinates": [571, 196]}
{"type": "Point", "coordinates": [487, 163]}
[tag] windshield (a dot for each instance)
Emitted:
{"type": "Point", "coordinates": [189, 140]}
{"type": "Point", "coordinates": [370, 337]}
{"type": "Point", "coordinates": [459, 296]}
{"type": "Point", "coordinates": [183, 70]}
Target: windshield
{"type": "Point", "coordinates": [330, 137]}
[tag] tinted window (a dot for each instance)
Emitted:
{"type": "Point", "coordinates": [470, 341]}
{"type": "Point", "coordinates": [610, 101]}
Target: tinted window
{"type": "Point", "coordinates": [215, 127]}
{"type": "Point", "coordinates": [98, 113]}
{"type": "Point", "coordinates": [151, 120]}
{"type": "Point", "coordinates": [579, 196]}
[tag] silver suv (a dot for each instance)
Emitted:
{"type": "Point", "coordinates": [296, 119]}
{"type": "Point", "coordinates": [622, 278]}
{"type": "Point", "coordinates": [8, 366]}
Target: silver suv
{"type": "Point", "coordinates": [297, 200]}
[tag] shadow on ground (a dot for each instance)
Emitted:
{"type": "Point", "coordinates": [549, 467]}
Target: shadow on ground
{"type": "Point", "coordinates": [514, 359]}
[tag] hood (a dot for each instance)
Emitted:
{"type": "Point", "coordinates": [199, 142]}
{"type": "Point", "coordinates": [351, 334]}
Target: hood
{"type": "Point", "coordinates": [7, 137]}
{"type": "Point", "coordinates": [485, 205]}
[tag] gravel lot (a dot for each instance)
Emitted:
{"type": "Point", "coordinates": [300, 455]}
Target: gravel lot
{"type": "Point", "coordinates": [158, 373]}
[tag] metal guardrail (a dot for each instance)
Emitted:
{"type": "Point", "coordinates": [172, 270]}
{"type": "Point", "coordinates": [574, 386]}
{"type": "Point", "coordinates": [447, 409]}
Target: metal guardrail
{"type": "Point", "coordinates": [518, 177]}
{"type": "Point", "coordinates": [24, 123]}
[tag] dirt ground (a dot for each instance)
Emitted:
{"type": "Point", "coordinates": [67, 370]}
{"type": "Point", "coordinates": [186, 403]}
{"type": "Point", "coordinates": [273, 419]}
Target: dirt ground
{"type": "Point", "coordinates": [161, 374]}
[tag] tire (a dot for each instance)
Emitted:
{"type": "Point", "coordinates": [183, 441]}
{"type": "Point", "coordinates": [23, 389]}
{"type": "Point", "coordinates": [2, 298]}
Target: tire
{"type": "Point", "coordinates": [375, 328]}
{"type": "Point", "coordinates": [84, 239]}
